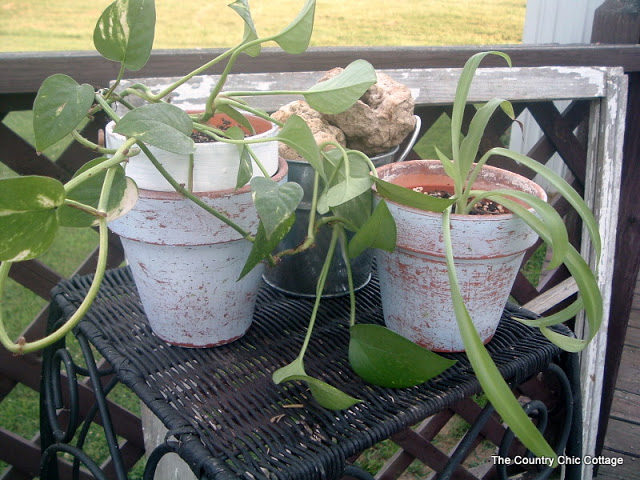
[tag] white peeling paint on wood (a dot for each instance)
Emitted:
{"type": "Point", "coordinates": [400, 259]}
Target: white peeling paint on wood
{"type": "Point", "coordinates": [604, 166]}
{"type": "Point", "coordinates": [429, 86]}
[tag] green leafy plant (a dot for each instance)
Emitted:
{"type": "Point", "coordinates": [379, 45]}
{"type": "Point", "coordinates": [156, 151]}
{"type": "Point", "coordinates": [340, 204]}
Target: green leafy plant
{"type": "Point", "coordinates": [463, 168]}
{"type": "Point", "coordinates": [33, 208]}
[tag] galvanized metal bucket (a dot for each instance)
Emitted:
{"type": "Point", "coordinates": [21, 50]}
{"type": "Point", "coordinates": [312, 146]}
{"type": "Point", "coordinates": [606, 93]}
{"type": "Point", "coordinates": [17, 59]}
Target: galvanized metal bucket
{"type": "Point", "coordinates": [298, 274]}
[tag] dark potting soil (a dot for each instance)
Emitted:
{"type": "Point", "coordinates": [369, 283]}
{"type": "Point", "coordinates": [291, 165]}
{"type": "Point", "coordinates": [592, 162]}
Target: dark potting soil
{"type": "Point", "coordinates": [483, 207]}
{"type": "Point", "coordinates": [200, 137]}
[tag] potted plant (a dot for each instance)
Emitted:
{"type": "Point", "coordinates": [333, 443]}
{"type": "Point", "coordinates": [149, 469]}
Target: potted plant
{"type": "Point", "coordinates": [459, 267]}
{"type": "Point", "coordinates": [33, 208]}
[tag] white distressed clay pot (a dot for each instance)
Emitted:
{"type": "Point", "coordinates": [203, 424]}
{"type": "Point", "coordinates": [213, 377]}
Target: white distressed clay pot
{"type": "Point", "coordinates": [185, 263]}
{"type": "Point", "coordinates": [215, 163]}
{"type": "Point", "coordinates": [488, 251]}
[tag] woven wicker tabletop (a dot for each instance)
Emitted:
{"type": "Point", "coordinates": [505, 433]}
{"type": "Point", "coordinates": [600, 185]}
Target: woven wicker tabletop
{"type": "Point", "coordinates": [230, 417]}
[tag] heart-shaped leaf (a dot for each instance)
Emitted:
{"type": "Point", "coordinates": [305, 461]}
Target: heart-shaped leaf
{"type": "Point", "coordinates": [241, 7]}
{"type": "Point", "coordinates": [297, 134]}
{"type": "Point", "coordinates": [124, 32]}
{"type": "Point", "coordinates": [379, 231]}
{"type": "Point", "coordinates": [122, 196]}
{"type": "Point", "coordinates": [296, 36]}
{"type": "Point", "coordinates": [28, 216]}
{"type": "Point", "coordinates": [346, 190]}
{"type": "Point", "coordinates": [274, 203]}
{"type": "Point", "coordinates": [340, 92]}
{"type": "Point", "coordinates": [411, 198]}
{"type": "Point", "coordinates": [294, 368]}
{"type": "Point", "coordinates": [263, 246]}
{"type": "Point", "coordinates": [327, 395]}
{"type": "Point", "coordinates": [382, 357]}
{"type": "Point", "coordinates": [346, 184]}
{"type": "Point", "coordinates": [356, 211]}
{"type": "Point", "coordinates": [59, 107]}
{"type": "Point", "coordinates": [159, 124]}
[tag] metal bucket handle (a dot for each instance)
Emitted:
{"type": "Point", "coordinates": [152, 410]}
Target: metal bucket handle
{"type": "Point", "coordinates": [412, 140]}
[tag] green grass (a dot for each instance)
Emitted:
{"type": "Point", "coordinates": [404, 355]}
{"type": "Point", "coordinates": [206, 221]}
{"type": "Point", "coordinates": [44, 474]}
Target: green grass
{"type": "Point", "coordinates": [29, 25]}
{"type": "Point", "coordinates": [33, 25]}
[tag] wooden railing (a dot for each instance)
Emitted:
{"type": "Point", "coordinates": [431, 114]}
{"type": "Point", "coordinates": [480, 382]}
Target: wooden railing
{"type": "Point", "coordinates": [23, 74]}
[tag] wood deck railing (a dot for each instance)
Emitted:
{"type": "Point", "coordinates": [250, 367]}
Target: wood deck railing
{"type": "Point", "coordinates": [23, 74]}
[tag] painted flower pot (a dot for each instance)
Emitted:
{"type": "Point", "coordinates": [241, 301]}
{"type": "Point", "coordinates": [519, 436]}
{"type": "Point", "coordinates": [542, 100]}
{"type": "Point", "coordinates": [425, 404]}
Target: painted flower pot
{"type": "Point", "coordinates": [185, 262]}
{"type": "Point", "coordinates": [488, 251]}
{"type": "Point", "coordinates": [215, 163]}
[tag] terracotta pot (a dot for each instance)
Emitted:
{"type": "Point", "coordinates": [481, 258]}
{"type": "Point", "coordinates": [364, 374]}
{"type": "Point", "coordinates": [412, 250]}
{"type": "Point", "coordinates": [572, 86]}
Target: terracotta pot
{"type": "Point", "coordinates": [215, 163]}
{"type": "Point", "coordinates": [488, 251]}
{"type": "Point", "coordinates": [185, 263]}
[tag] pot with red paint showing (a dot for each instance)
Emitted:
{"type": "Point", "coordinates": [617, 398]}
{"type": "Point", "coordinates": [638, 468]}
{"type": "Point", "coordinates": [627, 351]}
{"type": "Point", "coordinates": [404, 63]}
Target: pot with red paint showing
{"type": "Point", "coordinates": [186, 262]}
{"type": "Point", "coordinates": [488, 251]}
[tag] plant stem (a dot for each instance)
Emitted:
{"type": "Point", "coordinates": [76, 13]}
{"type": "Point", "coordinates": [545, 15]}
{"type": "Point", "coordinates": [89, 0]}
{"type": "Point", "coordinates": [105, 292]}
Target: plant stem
{"type": "Point", "coordinates": [187, 194]}
{"type": "Point", "coordinates": [322, 279]}
{"type": "Point", "coordinates": [85, 208]}
{"type": "Point", "coordinates": [347, 263]}
{"type": "Point", "coordinates": [22, 346]}
{"type": "Point", "coordinates": [107, 164]}
{"type": "Point", "coordinates": [90, 145]}
{"type": "Point", "coordinates": [189, 76]}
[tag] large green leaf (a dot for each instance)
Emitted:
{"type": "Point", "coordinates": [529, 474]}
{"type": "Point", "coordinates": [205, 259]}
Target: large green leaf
{"type": "Point", "coordinates": [241, 7]}
{"type": "Point", "coordinates": [471, 142]}
{"type": "Point", "coordinates": [263, 246]}
{"type": "Point", "coordinates": [326, 395]}
{"type": "Point", "coordinates": [384, 358]}
{"type": "Point", "coordinates": [379, 231]}
{"type": "Point", "coordinates": [296, 36]}
{"type": "Point", "coordinates": [410, 198]}
{"type": "Point", "coordinates": [356, 211]}
{"type": "Point", "coordinates": [28, 216]}
{"type": "Point", "coordinates": [462, 92]}
{"type": "Point", "coordinates": [490, 378]}
{"type": "Point", "coordinates": [122, 196]}
{"type": "Point", "coordinates": [562, 187]}
{"type": "Point", "coordinates": [547, 222]}
{"type": "Point", "coordinates": [59, 107]}
{"type": "Point", "coordinates": [297, 134]}
{"type": "Point", "coordinates": [340, 92]}
{"type": "Point", "coordinates": [159, 124]}
{"type": "Point", "coordinates": [349, 177]}
{"type": "Point", "coordinates": [344, 191]}
{"type": "Point", "coordinates": [275, 203]}
{"type": "Point", "coordinates": [124, 32]}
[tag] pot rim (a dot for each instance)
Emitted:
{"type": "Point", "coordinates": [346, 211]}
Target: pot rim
{"type": "Point", "coordinates": [540, 192]}
{"type": "Point", "coordinates": [267, 133]}
{"type": "Point", "coordinates": [282, 171]}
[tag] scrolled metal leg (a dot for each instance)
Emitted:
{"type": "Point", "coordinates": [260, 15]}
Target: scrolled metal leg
{"type": "Point", "coordinates": [542, 412]}
{"type": "Point", "coordinates": [357, 472]}
{"type": "Point", "coordinates": [49, 457]}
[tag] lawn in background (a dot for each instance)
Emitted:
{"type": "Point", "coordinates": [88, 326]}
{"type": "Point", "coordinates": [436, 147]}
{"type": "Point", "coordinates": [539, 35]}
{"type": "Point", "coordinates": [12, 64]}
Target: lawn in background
{"type": "Point", "coordinates": [28, 25]}
{"type": "Point", "coordinates": [33, 25]}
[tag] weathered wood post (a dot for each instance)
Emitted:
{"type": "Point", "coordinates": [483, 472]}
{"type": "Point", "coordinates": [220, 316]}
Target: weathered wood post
{"type": "Point", "coordinates": [618, 22]}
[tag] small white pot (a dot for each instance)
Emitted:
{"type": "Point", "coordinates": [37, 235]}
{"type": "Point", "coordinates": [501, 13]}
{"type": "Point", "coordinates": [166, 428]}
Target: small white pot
{"type": "Point", "coordinates": [215, 163]}
{"type": "Point", "coordinates": [488, 251]}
